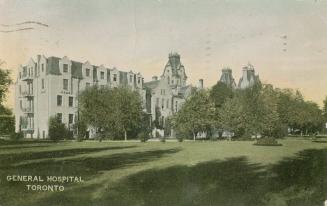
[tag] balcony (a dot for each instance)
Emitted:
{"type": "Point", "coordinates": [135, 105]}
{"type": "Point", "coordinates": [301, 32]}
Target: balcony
{"type": "Point", "coordinates": [27, 129]}
{"type": "Point", "coordinates": [28, 110]}
{"type": "Point", "coordinates": [27, 77]}
{"type": "Point", "coordinates": [27, 94]}
{"type": "Point", "coordinates": [27, 124]}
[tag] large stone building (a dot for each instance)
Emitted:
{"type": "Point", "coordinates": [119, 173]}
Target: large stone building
{"type": "Point", "coordinates": [50, 86]}
{"type": "Point", "coordinates": [166, 95]}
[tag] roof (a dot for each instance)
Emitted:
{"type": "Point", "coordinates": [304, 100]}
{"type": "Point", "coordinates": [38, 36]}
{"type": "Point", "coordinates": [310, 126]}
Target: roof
{"type": "Point", "coordinates": [53, 66]}
{"type": "Point", "coordinates": [151, 84]}
{"type": "Point", "coordinates": [77, 70]}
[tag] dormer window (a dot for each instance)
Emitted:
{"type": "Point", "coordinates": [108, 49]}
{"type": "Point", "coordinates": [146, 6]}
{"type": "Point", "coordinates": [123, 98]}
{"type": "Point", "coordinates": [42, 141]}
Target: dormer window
{"type": "Point", "coordinates": [87, 72]}
{"type": "Point", "coordinates": [115, 77]}
{"type": "Point", "coordinates": [139, 80]}
{"type": "Point", "coordinates": [42, 67]}
{"type": "Point", "coordinates": [65, 68]}
{"type": "Point", "coordinates": [102, 75]}
{"type": "Point", "coordinates": [131, 78]}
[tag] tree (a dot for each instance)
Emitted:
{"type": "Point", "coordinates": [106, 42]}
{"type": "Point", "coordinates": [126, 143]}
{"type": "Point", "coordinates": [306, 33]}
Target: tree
{"type": "Point", "coordinates": [196, 114]}
{"type": "Point", "coordinates": [219, 93]}
{"type": "Point", "coordinates": [57, 129]}
{"type": "Point", "coordinates": [127, 111]}
{"type": "Point", "coordinates": [259, 109]}
{"type": "Point", "coordinates": [113, 111]}
{"type": "Point", "coordinates": [5, 82]}
{"type": "Point", "coordinates": [231, 116]}
{"type": "Point", "coordinates": [7, 122]}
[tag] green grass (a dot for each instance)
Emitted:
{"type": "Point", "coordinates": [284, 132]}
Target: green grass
{"type": "Point", "coordinates": [171, 173]}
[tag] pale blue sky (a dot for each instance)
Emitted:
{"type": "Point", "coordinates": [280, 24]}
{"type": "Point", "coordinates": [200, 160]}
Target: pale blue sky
{"type": "Point", "coordinates": [208, 34]}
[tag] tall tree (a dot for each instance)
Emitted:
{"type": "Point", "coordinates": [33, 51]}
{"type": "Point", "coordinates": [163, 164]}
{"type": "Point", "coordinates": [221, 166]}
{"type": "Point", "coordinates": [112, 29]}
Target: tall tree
{"type": "Point", "coordinates": [111, 110]}
{"type": "Point", "coordinates": [196, 114]}
{"type": "Point", "coordinates": [5, 81]}
{"type": "Point", "coordinates": [219, 93]}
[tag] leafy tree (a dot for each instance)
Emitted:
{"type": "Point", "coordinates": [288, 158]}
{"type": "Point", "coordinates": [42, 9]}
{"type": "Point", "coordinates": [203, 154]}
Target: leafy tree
{"type": "Point", "coordinates": [5, 82]}
{"type": "Point", "coordinates": [114, 111]}
{"type": "Point", "coordinates": [231, 115]}
{"type": "Point", "coordinates": [57, 129]}
{"type": "Point", "coordinates": [196, 114]}
{"type": "Point", "coordinates": [7, 122]}
{"type": "Point", "coordinates": [219, 93]}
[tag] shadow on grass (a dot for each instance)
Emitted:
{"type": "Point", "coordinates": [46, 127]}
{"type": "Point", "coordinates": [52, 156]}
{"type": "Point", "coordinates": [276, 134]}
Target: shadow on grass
{"type": "Point", "coordinates": [8, 159]}
{"type": "Point", "coordinates": [87, 168]}
{"type": "Point", "coordinates": [297, 181]}
{"type": "Point", "coordinates": [24, 141]}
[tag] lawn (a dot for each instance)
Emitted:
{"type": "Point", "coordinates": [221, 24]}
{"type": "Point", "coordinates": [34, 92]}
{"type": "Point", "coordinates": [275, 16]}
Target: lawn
{"type": "Point", "coordinates": [172, 173]}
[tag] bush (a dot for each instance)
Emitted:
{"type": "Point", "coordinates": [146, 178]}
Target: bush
{"type": "Point", "coordinates": [267, 141]}
{"type": "Point", "coordinates": [143, 136]}
{"type": "Point", "coordinates": [180, 139]}
{"type": "Point", "coordinates": [57, 129]}
{"type": "Point", "coordinates": [163, 139]}
{"type": "Point", "coordinates": [16, 136]}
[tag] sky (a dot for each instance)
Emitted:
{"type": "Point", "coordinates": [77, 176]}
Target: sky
{"type": "Point", "coordinates": [285, 40]}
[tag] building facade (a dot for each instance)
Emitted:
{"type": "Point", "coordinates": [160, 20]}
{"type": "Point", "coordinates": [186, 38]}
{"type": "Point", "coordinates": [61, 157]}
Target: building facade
{"type": "Point", "coordinates": [165, 96]}
{"type": "Point", "coordinates": [49, 86]}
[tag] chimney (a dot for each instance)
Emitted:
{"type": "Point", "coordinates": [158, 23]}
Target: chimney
{"type": "Point", "coordinates": [154, 78]}
{"type": "Point", "coordinates": [200, 84]}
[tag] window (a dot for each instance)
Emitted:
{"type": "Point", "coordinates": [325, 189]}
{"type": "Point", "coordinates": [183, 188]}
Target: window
{"type": "Point", "coordinates": [102, 75]}
{"type": "Point", "coordinates": [167, 103]}
{"type": "Point", "coordinates": [70, 101]}
{"type": "Point", "coordinates": [42, 83]}
{"type": "Point", "coordinates": [70, 118]}
{"type": "Point", "coordinates": [20, 89]}
{"type": "Point", "coordinates": [43, 134]}
{"type": "Point", "coordinates": [131, 78]}
{"type": "Point", "coordinates": [65, 68]}
{"type": "Point", "coordinates": [163, 103]}
{"type": "Point", "coordinates": [20, 75]}
{"type": "Point", "coordinates": [87, 72]}
{"type": "Point", "coordinates": [65, 84]}
{"type": "Point", "coordinates": [139, 80]}
{"type": "Point", "coordinates": [176, 106]}
{"type": "Point", "coordinates": [172, 81]}
{"type": "Point", "coordinates": [42, 67]}
{"type": "Point", "coordinates": [87, 85]}
{"type": "Point", "coordinates": [21, 104]}
{"type": "Point", "coordinates": [59, 115]}
{"type": "Point", "coordinates": [115, 77]}
{"type": "Point", "coordinates": [59, 100]}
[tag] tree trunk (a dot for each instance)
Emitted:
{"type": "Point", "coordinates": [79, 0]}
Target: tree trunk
{"type": "Point", "coordinates": [193, 136]}
{"type": "Point", "coordinates": [125, 135]}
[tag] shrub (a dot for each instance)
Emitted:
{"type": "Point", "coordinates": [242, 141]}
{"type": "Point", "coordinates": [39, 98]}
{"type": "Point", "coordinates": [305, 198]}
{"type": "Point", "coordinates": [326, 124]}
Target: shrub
{"type": "Point", "coordinates": [267, 141]}
{"type": "Point", "coordinates": [163, 139]}
{"type": "Point", "coordinates": [57, 129]}
{"type": "Point", "coordinates": [180, 139]}
{"type": "Point", "coordinates": [16, 136]}
{"type": "Point", "coordinates": [143, 136]}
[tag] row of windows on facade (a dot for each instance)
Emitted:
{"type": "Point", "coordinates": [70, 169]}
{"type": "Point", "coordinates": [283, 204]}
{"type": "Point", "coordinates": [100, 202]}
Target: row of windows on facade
{"type": "Point", "coordinates": [70, 118]}
{"type": "Point", "coordinates": [70, 101]}
{"type": "Point", "coordinates": [65, 70]}
{"type": "Point", "coordinates": [29, 71]}
{"type": "Point", "coordinates": [167, 103]}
